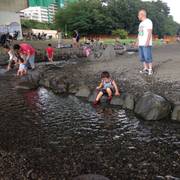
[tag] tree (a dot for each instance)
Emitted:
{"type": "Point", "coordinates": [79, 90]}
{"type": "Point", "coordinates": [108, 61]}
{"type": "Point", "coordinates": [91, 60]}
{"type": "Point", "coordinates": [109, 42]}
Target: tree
{"type": "Point", "coordinates": [104, 16]}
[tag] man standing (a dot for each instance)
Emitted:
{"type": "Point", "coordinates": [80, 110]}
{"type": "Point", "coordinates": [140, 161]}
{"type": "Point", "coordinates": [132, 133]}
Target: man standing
{"type": "Point", "coordinates": [59, 37]}
{"type": "Point", "coordinates": [27, 52]}
{"type": "Point", "coordinates": [145, 42]}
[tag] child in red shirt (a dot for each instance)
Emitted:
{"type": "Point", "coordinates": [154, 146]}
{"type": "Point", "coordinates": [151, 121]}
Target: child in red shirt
{"type": "Point", "coordinates": [50, 53]}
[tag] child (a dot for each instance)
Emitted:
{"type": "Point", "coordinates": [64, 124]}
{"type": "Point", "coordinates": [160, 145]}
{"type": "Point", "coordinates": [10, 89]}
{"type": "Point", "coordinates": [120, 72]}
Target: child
{"type": "Point", "coordinates": [106, 87]}
{"type": "Point", "coordinates": [22, 68]}
{"type": "Point", "coordinates": [12, 57]}
{"type": "Point", "coordinates": [50, 52]}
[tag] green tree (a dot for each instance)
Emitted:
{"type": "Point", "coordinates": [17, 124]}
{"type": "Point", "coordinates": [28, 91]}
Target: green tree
{"type": "Point", "coordinates": [88, 17]}
{"type": "Point", "coordinates": [104, 16]}
{"type": "Point", "coordinates": [36, 25]}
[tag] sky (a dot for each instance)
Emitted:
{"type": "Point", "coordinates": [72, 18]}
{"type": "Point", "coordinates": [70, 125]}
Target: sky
{"type": "Point", "coordinates": [174, 8]}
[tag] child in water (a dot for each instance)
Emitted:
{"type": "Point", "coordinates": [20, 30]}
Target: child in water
{"type": "Point", "coordinates": [22, 68]}
{"type": "Point", "coordinates": [106, 87]}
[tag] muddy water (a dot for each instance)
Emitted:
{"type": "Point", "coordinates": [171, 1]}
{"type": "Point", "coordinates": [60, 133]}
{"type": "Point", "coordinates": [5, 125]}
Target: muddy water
{"type": "Point", "coordinates": [61, 137]}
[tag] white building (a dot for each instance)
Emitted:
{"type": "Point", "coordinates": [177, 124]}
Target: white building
{"type": "Point", "coordinates": [38, 13]}
{"type": "Point", "coordinates": [35, 13]}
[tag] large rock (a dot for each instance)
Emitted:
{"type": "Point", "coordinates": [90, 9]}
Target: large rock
{"type": "Point", "coordinates": [108, 54]}
{"type": "Point", "coordinates": [129, 102]}
{"type": "Point", "coordinates": [125, 100]}
{"type": "Point", "coordinates": [176, 113]}
{"type": "Point", "coordinates": [58, 86]}
{"type": "Point", "coordinates": [91, 177]}
{"type": "Point", "coordinates": [92, 96]}
{"type": "Point", "coordinates": [152, 107]}
{"type": "Point", "coordinates": [83, 92]}
{"type": "Point", "coordinates": [117, 101]}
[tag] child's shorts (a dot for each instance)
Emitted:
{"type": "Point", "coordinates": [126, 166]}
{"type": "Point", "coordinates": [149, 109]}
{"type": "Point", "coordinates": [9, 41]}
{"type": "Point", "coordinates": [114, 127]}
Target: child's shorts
{"type": "Point", "coordinates": [105, 92]}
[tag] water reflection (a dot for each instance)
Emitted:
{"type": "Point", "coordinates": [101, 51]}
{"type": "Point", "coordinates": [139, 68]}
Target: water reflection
{"type": "Point", "coordinates": [72, 118]}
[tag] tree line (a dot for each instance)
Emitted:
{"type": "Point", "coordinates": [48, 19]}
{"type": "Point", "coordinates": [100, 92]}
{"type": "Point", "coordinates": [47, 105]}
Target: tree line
{"type": "Point", "coordinates": [104, 16]}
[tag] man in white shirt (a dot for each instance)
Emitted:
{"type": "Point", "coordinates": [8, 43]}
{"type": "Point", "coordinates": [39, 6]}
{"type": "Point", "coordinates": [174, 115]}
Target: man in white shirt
{"type": "Point", "coordinates": [145, 42]}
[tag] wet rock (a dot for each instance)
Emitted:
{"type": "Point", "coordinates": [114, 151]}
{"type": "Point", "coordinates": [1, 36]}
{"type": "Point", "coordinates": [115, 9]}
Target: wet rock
{"type": "Point", "coordinates": [159, 178]}
{"type": "Point", "coordinates": [108, 54]}
{"type": "Point", "coordinates": [58, 86]}
{"type": "Point", "coordinates": [3, 71]}
{"type": "Point", "coordinates": [44, 82]}
{"type": "Point", "coordinates": [92, 96]}
{"type": "Point", "coordinates": [26, 83]}
{"type": "Point", "coordinates": [34, 76]}
{"type": "Point", "coordinates": [117, 101]}
{"type": "Point", "coordinates": [128, 102]}
{"type": "Point", "coordinates": [83, 92]}
{"type": "Point", "coordinates": [72, 89]}
{"type": "Point", "coordinates": [176, 113]}
{"type": "Point", "coordinates": [91, 177]}
{"type": "Point", "coordinates": [22, 87]}
{"type": "Point", "coordinates": [125, 100]}
{"type": "Point", "coordinates": [152, 107]}
{"type": "Point", "coordinates": [169, 177]}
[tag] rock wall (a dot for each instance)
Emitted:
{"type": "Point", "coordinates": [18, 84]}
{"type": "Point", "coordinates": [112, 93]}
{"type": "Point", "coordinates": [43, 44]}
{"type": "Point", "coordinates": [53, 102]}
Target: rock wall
{"type": "Point", "coordinates": [69, 80]}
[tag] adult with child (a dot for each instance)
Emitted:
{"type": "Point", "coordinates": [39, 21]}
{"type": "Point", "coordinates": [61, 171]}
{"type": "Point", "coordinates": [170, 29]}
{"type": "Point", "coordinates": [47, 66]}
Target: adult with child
{"type": "Point", "coordinates": [144, 42]}
{"type": "Point", "coordinates": [27, 52]}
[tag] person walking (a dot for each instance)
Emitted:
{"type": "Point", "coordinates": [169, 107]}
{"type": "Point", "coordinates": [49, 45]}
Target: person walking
{"type": "Point", "coordinates": [144, 42]}
{"type": "Point", "coordinates": [59, 37]}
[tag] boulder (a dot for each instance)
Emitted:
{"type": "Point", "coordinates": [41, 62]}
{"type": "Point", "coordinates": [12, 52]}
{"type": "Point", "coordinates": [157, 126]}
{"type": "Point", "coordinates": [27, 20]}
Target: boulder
{"type": "Point", "coordinates": [91, 177]}
{"type": "Point", "coordinates": [34, 77]}
{"type": "Point", "coordinates": [72, 89]}
{"type": "Point", "coordinates": [129, 102]}
{"type": "Point", "coordinates": [92, 96]}
{"type": "Point", "coordinates": [44, 82]}
{"type": "Point", "coordinates": [83, 92]}
{"type": "Point", "coordinates": [3, 71]}
{"type": "Point", "coordinates": [108, 54]}
{"type": "Point", "coordinates": [176, 113]}
{"type": "Point", "coordinates": [152, 107]}
{"type": "Point", "coordinates": [58, 87]}
{"type": "Point", "coordinates": [125, 100]}
{"type": "Point", "coordinates": [117, 101]}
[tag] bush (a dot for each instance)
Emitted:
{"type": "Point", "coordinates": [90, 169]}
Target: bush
{"type": "Point", "coordinates": [121, 33]}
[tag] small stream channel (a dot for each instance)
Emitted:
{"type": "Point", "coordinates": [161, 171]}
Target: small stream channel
{"type": "Point", "coordinates": [62, 137]}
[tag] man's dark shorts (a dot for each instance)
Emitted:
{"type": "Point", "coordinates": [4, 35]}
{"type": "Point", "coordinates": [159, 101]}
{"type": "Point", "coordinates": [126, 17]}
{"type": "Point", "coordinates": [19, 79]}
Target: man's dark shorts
{"type": "Point", "coordinates": [145, 54]}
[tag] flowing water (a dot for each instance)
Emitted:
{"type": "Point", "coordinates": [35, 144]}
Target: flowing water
{"type": "Point", "coordinates": [62, 136]}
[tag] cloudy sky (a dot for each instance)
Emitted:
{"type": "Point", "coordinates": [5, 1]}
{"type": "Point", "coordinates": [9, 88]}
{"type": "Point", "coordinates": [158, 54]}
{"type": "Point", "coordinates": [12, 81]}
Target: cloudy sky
{"type": "Point", "coordinates": [175, 8]}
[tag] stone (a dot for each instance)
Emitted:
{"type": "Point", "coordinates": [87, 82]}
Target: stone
{"type": "Point", "coordinates": [152, 107]}
{"type": "Point", "coordinates": [129, 102]}
{"type": "Point", "coordinates": [117, 101]}
{"type": "Point", "coordinates": [175, 116]}
{"type": "Point", "coordinates": [83, 92]}
{"type": "Point", "coordinates": [169, 177]}
{"type": "Point", "coordinates": [159, 178]}
{"type": "Point", "coordinates": [3, 71]}
{"type": "Point", "coordinates": [108, 54]}
{"type": "Point", "coordinates": [34, 76]}
{"type": "Point", "coordinates": [92, 96]}
{"type": "Point", "coordinates": [72, 89]}
{"type": "Point", "coordinates": [91, 177]}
